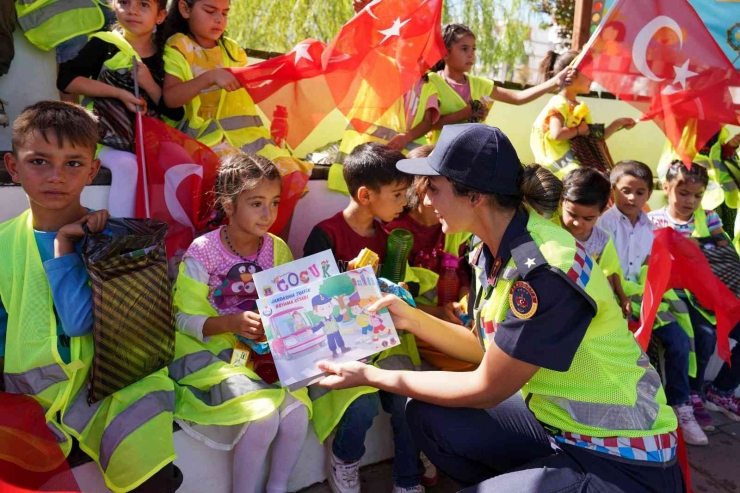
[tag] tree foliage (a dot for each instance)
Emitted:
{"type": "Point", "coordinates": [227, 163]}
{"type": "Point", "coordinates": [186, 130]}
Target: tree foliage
{"type": "Point", "coordinates": [560, 12]}
{"type": "Point", "coordinates": [501, 26]}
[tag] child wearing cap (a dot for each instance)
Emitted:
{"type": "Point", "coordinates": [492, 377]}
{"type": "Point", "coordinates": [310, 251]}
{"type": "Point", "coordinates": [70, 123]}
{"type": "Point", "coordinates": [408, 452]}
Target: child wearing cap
{"type": "Point", "coordinates": [377, 190]}
{"type": "Point", "coordinates": [324, 309]}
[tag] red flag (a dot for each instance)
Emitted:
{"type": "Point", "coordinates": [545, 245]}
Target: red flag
{"type": "Point", "coordinates": [660, 57]}
{"type": "Point", "coordinates": [30, 457]}
{"type": "Point", "coordinates": [677, 263]}
{"type": "Point", "coordinates": [179, 174]}
{"type": "Point", "coordinates": [385, 48]}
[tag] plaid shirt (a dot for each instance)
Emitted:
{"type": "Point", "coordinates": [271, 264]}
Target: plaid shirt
{"type": "Point", "coordinates": [655, 448]}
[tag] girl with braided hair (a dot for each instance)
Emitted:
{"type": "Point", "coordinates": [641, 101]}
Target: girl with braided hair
{"type": "Point", "coordinates": [231, 407]}
{"type": "Point", "coordinates": [468, 98]}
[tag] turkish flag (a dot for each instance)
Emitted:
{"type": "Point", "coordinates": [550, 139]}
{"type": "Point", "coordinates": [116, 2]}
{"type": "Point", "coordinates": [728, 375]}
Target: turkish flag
{"type": "Point", "coordinates": [30, 457]}
{"type": "Point", "coordinates": [384, 50]}
{"type": "Point", "coordinates": [660, 57]}
{"type": "Point", "coordinates": [177, 177]}
{"type": "Point", "coordinates": [677, 263]}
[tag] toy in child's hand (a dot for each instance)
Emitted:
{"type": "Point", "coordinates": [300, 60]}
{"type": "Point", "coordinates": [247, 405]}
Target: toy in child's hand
{"type": "Point", "coordinates": [259, 346]}
{"type": "Point", "coordinates": [387, 286]}
{"type": "Point", "coordinates": [365, 258]}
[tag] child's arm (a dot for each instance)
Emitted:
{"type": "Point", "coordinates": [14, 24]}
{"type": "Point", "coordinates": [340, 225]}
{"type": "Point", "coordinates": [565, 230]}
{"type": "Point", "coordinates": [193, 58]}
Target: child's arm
{"type": "Point", "coordinates": [558, 131]}
{"type": "Point", "coordinates": [618, 125]}
{"type": "Point", "coordinates": [400, 141]}
{"type": "Point", "coordinates": [624, 302]}
{"type": "Point", "coordinates": [178, 93]}
{"type": "Point", "coordinates": [456, 117]}
{"type": "Point", "coordinates": [527, 95]}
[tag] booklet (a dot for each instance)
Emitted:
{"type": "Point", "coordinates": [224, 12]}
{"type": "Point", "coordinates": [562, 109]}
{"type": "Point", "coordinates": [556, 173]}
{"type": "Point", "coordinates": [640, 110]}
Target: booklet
{"type": "Point", "coordinates": [300, 272]}
{"type": "Point", "coordinates": [325, 320]}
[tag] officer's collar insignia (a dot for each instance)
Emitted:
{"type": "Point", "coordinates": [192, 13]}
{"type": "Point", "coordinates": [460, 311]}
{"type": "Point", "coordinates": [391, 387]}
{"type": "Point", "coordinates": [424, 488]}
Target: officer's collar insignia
{"type": "Point", "coordinates": [523, 300]}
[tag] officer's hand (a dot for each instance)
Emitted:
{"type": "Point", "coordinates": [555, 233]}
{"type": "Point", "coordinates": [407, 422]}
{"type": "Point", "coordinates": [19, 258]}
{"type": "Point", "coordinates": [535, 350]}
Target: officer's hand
{"type": "Point", "coordinates": [248, 325]}
{"type": "Point", "coordinates": [70, 234]}
{"type": "Point", "coordinates": [224, 79]}
{"type": "Point", "coordinates": [345, 375]}
{"type": "Point", "coordinates": [403, 316]}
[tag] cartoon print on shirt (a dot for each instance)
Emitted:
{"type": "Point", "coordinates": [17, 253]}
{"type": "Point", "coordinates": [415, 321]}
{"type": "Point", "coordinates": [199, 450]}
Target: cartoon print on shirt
{"type": "Point", "coordinates": [238, 289]}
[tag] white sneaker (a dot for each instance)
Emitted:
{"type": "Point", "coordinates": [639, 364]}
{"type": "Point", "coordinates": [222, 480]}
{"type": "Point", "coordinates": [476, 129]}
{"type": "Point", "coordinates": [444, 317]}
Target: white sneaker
{"type": "Point", "coordinates": [343, 477]}
{"type": "Point", "coordinates": [692, 432]}
{"type": "Point", "coordinates": [413, 489]}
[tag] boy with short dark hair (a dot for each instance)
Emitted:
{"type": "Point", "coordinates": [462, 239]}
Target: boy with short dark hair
{"type": "Point", "coordinates": [46, 308]}
{"type": "Point", "coordinates": [632, 233]}
{"type": "Point", "coordinates": [377, 190]}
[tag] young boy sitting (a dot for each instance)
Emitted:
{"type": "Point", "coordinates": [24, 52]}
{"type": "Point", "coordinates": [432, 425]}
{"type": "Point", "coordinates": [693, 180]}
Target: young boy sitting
{"type": "Point", "coordinates": [377, 190]}
{"type": "Point", "coordinates": [632, 232]}
{"type": "Point", "coordinates": [585, 196]}
{"type": "Point", "coordinates": [46, 308]}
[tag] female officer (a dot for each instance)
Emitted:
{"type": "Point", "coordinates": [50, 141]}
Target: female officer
{"type": "Point", "coordinates": [592, 415]}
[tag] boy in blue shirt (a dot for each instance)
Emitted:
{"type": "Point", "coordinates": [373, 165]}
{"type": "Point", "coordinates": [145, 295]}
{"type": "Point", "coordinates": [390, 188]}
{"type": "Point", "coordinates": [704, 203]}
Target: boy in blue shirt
{"type": "Point", "coordinates": [46, 308]}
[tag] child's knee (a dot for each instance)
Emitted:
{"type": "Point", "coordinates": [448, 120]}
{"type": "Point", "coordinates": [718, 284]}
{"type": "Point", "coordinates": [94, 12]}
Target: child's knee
{"type": "Point", "coordinates": [364, 409]}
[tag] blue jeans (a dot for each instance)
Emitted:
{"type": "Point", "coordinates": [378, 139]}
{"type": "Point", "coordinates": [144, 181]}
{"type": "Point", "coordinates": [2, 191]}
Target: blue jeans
{"type": "Point", "coordinates": [676, 345]}
{"type": "Point", "coordinates": [705, 339]}
{"type": "Point", "coordinates": [506, 449]}
{"type": "Point", "coordinates": [349, 438]}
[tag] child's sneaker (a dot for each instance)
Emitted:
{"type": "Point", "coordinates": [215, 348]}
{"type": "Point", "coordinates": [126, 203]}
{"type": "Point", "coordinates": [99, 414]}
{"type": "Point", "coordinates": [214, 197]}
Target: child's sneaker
{"type": "Point", "coordinates": [4, 120]}
{"type": "Point", "coordinates": [700, 412]}
{"type": "Point", "coordinates": [692, 432]}
{"type": "Point", "coordinates": [412, 489]}
{"type": "Point", "coordinates": [723, 402]}
{"type": "Point", "coordinates": [430, 476]}
{"type": "Point", "coordinates": [343, 477]}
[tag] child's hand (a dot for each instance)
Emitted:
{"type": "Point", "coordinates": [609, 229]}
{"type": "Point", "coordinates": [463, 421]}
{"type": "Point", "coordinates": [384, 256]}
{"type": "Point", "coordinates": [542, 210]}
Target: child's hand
{"type": "Point", "coordinates": [399, 142]}
{"type": "Point", "coordinates": [131, 101]}
{"type": "Point", "coordinates": [626, 305]}
{"type": "Point", "coordinates": [248, 325]}
{"type": "Point", "coordinates": [566, 76]}
{"type": "Point", "coordinates": [224, 79]}
{"type": "Point", "coordinates": [448, 313]}
{"type": "Point", "coordinates": [146, 81]}
{"type": "Point", "coordinates": [627, 123]}
{"type": "Point", "coordinates": [70, 234]}
{"type": "Point", "coordinates": [358, 5]}
{"type": "Point", "coordinates": [584, 129]}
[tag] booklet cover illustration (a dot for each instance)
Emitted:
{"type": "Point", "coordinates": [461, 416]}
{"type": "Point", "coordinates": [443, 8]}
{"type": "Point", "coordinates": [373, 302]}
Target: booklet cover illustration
{"type": "Point", "coordinates": [287, 277]}
{"type": "Point", "coordinates": [325, 320]}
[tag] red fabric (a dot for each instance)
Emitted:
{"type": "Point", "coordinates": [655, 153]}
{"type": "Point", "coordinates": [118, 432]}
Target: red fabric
{"type": "Point", "coordinates": [683, 460]}
{"type": "Point", "coordinates": [671, 39]}
{"type": "Point", "coordinates": [347, 243]}
{"type": "Point", "coordinates": [389, 45]}
{"type": "Point", "coordinates": [293, 185]}
{"type": "Point", "coordinates": [30, 457]}
{"type": "Point", "coordinates": [677, 263]}
{"type": "Point", "coordinates": [179, 176]}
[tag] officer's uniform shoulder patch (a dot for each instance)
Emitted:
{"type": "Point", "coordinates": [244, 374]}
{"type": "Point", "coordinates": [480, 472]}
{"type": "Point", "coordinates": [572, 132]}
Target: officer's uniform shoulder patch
{"type": "Point", "coordinates": [523, 300]}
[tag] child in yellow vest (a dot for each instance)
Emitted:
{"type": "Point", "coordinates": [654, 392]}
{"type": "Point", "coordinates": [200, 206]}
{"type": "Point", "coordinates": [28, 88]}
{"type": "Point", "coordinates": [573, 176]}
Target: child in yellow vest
{"type": "Point", "coordinates": [96, 73]}
{"type": "Point", "coordinates": [464, 97]}
{"type": "Point", "coordinates": [218, 111]}
{"type": "Point", "coordinates": [564, 118]}
{"type": "Point", "coordinates": [46, 308]}
{"type": "Point", "coordinates": [586, 193]}
{"type": "Point", "coordinates": [215, 299]}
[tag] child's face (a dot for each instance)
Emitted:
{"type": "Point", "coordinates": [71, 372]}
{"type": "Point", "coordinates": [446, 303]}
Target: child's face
{"type": "Point", "coordinates": [581, 84]}
{"type": "Point", "coordinates": [138, 17]}
{"type": "Point", "coordinates": [206, 20]}
{"type": "Point", "coordinates": [388, 203]}
{"type": "Point", "coordinates": [630, 195]}
{"type": "Point", "coordinates": [52, 175]}
{"type": "Point", "coordinates": [355, 309]}
{"type": "Point", "coordinates": [453, 212]}
{"type": "Point", "coordinates": [579, 220]}
{"type": "Point", "coordinates": [684, 198]}
{"type": "Point", "coordinates": [461, 56]}
{"type": "Point", "coordinates": [254, 211]}
{"type": "Point", "coordinates": [323, 310]}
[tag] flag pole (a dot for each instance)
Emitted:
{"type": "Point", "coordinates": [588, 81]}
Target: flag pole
{"type": "Point", "coordinates": [140, 140]}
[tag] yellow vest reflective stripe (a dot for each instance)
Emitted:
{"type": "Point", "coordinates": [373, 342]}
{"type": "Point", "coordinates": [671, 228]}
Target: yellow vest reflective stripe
{"type": "Point", "coordinates": [237, 119]}
{"type": "Point", "coordinates": [129, 433]}
{"type": "Point", "coordinates": [46, 23]}
{"type": "Point", "coordinates": [610, 388]}
{"type": "Point", "coordinates": [393, 122]}
{"type": "Point", "coordinates": [210, 391]}
{"type": "Point", "coordinates": [450, 101]}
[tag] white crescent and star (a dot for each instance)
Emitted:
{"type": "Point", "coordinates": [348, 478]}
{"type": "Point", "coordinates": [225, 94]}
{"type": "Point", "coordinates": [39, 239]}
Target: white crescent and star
{"type": "Point", "coordinates": [394, 30]}
{"type": "Point", "coordinates": [369, 8]}
{"type": "Point", "coordinates": [642, 40]}
{"type": "Point", "coordinates": [301, 52]}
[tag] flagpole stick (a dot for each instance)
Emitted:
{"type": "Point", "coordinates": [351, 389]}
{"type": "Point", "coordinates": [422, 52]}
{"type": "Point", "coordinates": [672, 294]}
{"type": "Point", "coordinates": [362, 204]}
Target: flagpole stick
{"type": "Point", "coordinates": [140, 141]}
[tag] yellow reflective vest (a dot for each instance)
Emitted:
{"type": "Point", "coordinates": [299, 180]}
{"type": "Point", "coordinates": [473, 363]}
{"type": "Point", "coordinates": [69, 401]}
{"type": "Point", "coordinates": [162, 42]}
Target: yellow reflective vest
{"type": "Point", "coordinates": [450, 101]}
{"type": "Point", "coordinates": [201, 366]}
{"type": "Point", "coordinates": [608, 357]}
{"type": "Point", "coordinates": [128, 434]}
{"type": "Point", "coordinates": [47, 23]}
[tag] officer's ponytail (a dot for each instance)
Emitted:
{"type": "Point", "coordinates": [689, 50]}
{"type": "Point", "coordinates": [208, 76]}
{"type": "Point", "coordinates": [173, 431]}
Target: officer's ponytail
{"type": "Point", "coordinates": [541, 189]}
